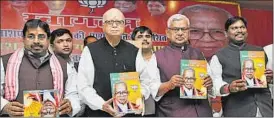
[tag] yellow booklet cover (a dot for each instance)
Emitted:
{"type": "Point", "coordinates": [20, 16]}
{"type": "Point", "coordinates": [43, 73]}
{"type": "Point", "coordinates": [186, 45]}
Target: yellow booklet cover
{"type": "Point", "coordinates": [193, 72]}
{"type": "Point", "coordinates": [253, 67]}
{"type": "Point", "coordinates": [126, 91]}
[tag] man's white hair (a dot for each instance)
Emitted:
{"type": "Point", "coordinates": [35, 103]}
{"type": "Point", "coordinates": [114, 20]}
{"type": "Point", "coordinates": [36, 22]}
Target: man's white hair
{"type": "Point", "coordinates": [177, 17]}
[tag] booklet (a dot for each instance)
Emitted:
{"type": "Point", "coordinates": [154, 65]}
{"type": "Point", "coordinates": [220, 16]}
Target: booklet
{"type": "Point", "coordinates": [253, 68]}
{"type": "Point", "coordinates": [126, 91]}
{"type": "Point", "coordinates": [41, 103]}
{"type": "Point", "coordinates": [193, 72]}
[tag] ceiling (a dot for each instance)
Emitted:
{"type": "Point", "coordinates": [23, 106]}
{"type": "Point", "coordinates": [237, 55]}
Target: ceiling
{"type": "Point", "coordinates": [256, 4]}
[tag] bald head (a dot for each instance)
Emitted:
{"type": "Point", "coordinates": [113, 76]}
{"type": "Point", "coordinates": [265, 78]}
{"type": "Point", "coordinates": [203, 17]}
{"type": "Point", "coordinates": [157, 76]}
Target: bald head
{"type": "Point", "coordinates": [248, 68]}
{"type": "Point", "coordinates": [189, 73]}
{"type": "Point", "coordinates": [248, 63]}
{"type": "Point", "coordinates": [113, 14]}
{"type": "Point", "coordinates": [189, 76]}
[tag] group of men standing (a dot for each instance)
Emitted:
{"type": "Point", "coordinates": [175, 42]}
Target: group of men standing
{"type": "Point", "coordinates": [35, 67]}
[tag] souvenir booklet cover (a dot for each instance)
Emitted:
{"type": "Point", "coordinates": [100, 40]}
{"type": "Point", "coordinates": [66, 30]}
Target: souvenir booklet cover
{"type": "Point", "coordinates": [126, 91]}
{"type": "Point", "coordinates": [41, 103]}
{"type": "Point", "coordinates": [252, 68]}
{"type": "Point", "coordinates": [193, 72]}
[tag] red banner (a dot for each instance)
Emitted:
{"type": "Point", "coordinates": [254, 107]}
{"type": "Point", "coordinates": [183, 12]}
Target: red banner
{"type": "Point", "coordinates": [84, 18]}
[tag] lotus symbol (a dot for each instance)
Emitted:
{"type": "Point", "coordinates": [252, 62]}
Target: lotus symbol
{"type": "Point", "coordinates": [260, 65]}
{"type": "Point", "coordinates": [92, 4]}
{"type": "Point", "coordinates": [134, 87]}
{"type": "Point", "coordinates": [202, 75]}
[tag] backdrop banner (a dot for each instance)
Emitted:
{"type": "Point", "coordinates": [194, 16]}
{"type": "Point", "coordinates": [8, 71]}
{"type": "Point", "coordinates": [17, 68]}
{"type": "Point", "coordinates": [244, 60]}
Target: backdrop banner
{"type": "Point", "coordinates": [84, 17]}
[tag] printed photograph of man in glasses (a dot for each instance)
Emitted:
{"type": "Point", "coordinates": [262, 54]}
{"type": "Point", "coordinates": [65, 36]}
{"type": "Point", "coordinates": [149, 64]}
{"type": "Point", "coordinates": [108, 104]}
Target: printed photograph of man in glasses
{"type": "Point", "coordinates": [248, 74]}
{"type": "Point", "coordinates": [206, 27]}
{"type": "Point", "coordinates": [188, 90]}
{"type": "Point", "coordinates": [121, 103]}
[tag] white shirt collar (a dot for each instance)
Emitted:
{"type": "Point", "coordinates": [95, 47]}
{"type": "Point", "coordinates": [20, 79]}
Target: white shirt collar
{"type": "Point", "coordinates": [123, 107]}
{"type": "Point", "coordinates": [188, 92]}
{"type": "Point", "coordinates": [250, 81]}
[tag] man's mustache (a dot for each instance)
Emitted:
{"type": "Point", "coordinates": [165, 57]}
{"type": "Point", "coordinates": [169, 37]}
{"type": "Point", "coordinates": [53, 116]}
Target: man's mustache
{"type": "Point", "coordinates": [145, 42]}
{"type": "Point", "coordinates": [36, 45]}
{"type": "Point", "coordinates": [240, 33]}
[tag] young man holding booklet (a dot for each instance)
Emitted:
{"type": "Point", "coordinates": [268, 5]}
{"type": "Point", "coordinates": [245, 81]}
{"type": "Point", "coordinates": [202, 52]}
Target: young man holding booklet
{"type": "Point", "coordinates": [34, 67]}
{"type": "Point", "coordinates": [237, 100]}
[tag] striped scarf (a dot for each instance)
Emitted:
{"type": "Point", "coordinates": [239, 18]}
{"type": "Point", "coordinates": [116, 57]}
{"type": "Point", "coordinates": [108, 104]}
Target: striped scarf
{"type": "Point", "coordinates": [11, 78]}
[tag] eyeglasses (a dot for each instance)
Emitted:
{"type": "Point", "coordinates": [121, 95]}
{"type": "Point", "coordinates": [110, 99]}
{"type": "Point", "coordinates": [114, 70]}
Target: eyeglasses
{"type": "Point", "coordinates": [249, 69]}
{"type": "Point", "coordinates": [121, 93]}
{"type": "Point", "coordinates": [177, 29]}
{"type": "Point", "coordinates": [190, 78]}
{"type": "Point", "coordinates": [117, 22]}
{"type": "Point", "coordinates": [197, 33]}
{"type": "Point", "coordinates": [40, 36]}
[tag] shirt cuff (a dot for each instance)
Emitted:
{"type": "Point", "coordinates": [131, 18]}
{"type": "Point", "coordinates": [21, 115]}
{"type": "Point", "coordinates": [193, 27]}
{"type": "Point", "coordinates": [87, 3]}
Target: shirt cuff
{"type": "Point", "coordinates": [145, 91]}
{"type": "Point", "coordinates": [154, 88]}
{"type": "Point", "coordinates": [100, 105]}
{"type": "Point", "coordinates": [75, 106]}
{"type": "Point", "coordinates": [219, 90]}
{"type": "Point", "coordinates": [81, 112]}
{"type": "Point", "coordinates": [4, 102]}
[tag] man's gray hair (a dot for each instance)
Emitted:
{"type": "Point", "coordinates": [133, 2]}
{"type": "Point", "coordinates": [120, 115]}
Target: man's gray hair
{"type": "Point", "coordinates": [189, 69]}
{"type": "Point", "coordinates": [248, 60]}
{"type": "Point", "coordinates": [201, 7]}
{"type": "Point", "coordinates": [177, 17]}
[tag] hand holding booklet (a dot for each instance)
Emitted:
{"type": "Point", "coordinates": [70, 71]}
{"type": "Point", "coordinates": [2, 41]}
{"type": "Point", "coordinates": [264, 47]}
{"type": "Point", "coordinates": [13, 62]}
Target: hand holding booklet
{"type": "Point", "coordinates": [253, 68]}
{"type": "Point", "coordinates": [126, 91]}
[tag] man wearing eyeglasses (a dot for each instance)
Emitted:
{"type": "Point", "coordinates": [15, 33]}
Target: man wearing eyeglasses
{"type": "Point", "coordinates": [108, 55]}
{"type": "Point", "coordinates": [248, 74]}
{"type": "Point", "coordinates": [34, 67]}
{"type": "Point", "coordinates": [49, 107]}
{"type": "Point", "coordinates": [121, 103]}
{"type": "Point", "coordinates": [188, 88]}
{"type": "Point", "coordinates": [206, 29]}
{"type": "Point", "coordinates": [166, 85]}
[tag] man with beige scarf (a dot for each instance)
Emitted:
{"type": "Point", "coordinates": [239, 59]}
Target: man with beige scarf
{"type": "Point", "coordinates": [34, 67]}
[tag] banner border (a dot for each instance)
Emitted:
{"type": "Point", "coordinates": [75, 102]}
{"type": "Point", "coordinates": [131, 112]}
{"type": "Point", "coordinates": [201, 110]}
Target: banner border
{"type": "Point", "coordinates": [224, 2]}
